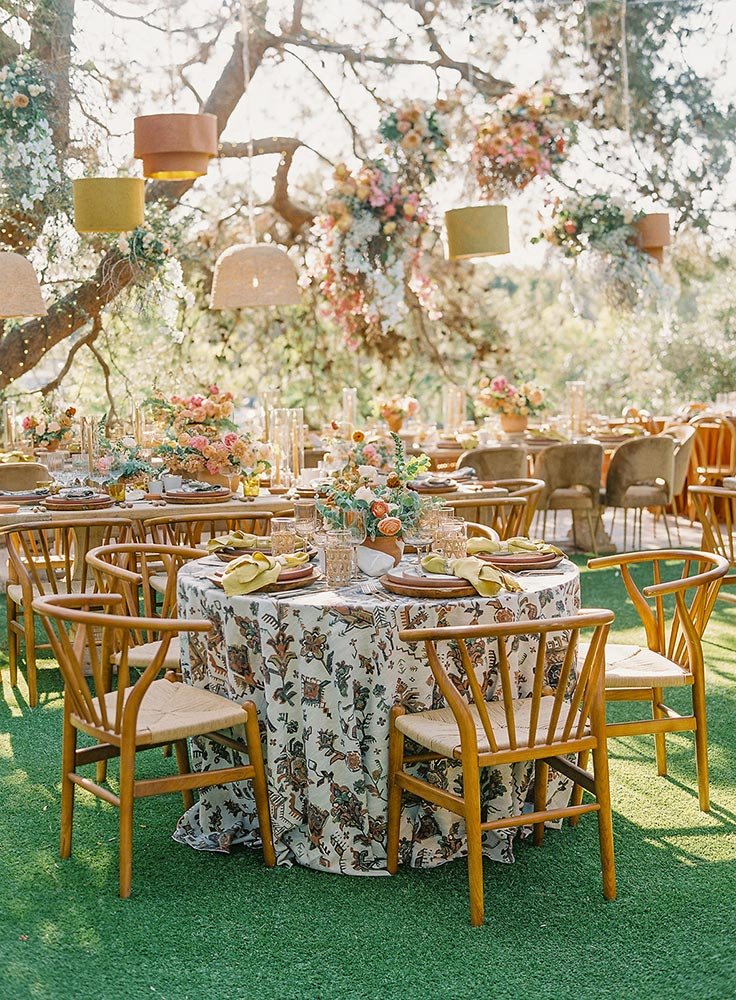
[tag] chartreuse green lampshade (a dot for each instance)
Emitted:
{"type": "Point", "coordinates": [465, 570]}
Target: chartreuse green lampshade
{"type": "Point", "coordinates": [108, 204]}
{"type": "Point", "coordinates": [477, 231]}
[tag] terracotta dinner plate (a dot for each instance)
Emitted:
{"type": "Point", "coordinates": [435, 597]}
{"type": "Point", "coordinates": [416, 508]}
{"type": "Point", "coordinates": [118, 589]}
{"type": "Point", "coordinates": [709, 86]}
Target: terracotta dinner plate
{"type": "Point", "coordinates": [295, 573]}
{"type": "Point", "coordinates": [521, 562]}
{"type": "Point", "coordinates": [408, 579]}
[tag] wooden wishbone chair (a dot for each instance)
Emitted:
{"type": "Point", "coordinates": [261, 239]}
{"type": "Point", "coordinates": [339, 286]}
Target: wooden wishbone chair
{"type": "Point", "coordinates": [673, 656]}
{"type": "Point", "coordinates": [194, 530]}
{"type": "Point", "coordinates": [715, 508]}
{"type": "Point", "coordinates": [544, 728]}
{"type": "Point", "coordinates": [531, 490]}
{"type": "Point", "coordinates": [48, 557]}
{"type": "Point", "coordinates": [150, 713]}
{"type": "Point", "coordinates": [506, 515]}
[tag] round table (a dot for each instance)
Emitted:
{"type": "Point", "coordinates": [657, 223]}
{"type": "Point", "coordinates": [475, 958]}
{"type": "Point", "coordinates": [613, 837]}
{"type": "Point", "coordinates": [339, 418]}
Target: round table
{"type": "Point", "coordinates": [324, 668]}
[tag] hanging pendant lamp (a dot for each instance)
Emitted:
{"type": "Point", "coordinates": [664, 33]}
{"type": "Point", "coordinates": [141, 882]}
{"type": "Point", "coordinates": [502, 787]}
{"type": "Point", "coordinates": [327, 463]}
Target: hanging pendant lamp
{"type": "Point", "coordinates": [175, 147]}
{"type": "Point", "coordinates": [20, 292]}
{"type": "Point", "coordinates": [108, 204]}
{"type": "Point", "coordinates": [477, 231]}
{"type": "Point", "coordinates": [254, 275]}
{"type": "Point", "coordinates": [653, 234]}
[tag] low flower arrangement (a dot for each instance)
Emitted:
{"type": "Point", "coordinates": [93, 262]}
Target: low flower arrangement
{"type": "Point", "coordinates": [523, 139]}
{"type": "Point", "coordinates": [122, 462]}
{"type": "Point", "coordinates": [368, 253]}
{"type": "Point", "coordinates": [201, 439]}
{"type": "Point", "coordinates": [390, 510]}
{"type": "Point", "coordinates": [377, 452]}
{"type": "Point", "coordinates": [396, 409]}
{"type": "Point", "coordinates": [416, 136]}
{"type": "Point", "coordinates": [498, 395]}
{"type": "Point", "coordinates": [51, 429]}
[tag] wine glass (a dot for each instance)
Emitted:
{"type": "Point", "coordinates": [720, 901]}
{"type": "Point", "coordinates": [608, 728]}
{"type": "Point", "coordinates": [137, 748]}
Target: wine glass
{"type": "Point", "coordinates": [420, 534]}
{"type": "Point", "coordinates": [305, 520]}
{"type": "Point", "coordinates": [353, 521]}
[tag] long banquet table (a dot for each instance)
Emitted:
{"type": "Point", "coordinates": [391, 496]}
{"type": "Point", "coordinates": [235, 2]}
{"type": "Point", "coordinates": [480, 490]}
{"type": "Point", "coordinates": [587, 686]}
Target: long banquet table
{"type": "Point", "coordinates": [324, 668]}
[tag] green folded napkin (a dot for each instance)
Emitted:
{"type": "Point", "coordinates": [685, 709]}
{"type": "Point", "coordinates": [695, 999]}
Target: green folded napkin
{"type": "Point", "coordinates": [522, 544]}
{"type": "Point", "coordinates": [483, 577]}
{"type": "Point", "coordinates": [235, 540]}
{"type": "Point", "coordinates": [488, 546]}
{"type": "Point", "coordinates": [293, 559]}
{"type": "Point", "coordinates": [250, 572]}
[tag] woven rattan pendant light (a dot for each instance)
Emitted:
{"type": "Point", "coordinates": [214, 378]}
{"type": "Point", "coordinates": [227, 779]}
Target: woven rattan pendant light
{"type": "Point", "coordinates": [477, 231]}
{"type": "Point", "coordinates": [175, 147]}
{"type": "Point", "coordinates": [20, 292]}
{"type": "Point", "coordinates": [108, 204]}
{"type": "Point", "coordinates": [253, 274]}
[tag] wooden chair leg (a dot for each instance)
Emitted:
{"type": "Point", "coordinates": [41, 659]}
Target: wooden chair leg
{"type": "Point", "coordinates": [471, 794]}
{"type": "Point", "coordinates": [660, 744]}
{"type": "Point", "coordinates": [605, 819]}
{"type": "Point", "coordinates": [11, 614]}
{"type": "Point", "coordinates": [626, 518]}
{"type": "Point", "coordinates": [260, 788]}
{"type": "Point", "coordinates": [592, 530]}
{"type": "Point", "coordinates": [395, 759]}
{"type": "Point", "coordinates": [541, 776]}
{"type": "Point", "coordinates": [127, 801]}
{"type": "Point", "coordinates": [577, 793]}
{"type": "Point", "coordinates": [29, 630]}
{"type": "Point", "coordinates": [68, 763]}
{"type": "Point", "coordinates": [701, 742]}
{"type": "Point", "coordinates": [182, 762]}
{"type": "Point", "coordinates": [667, 528]}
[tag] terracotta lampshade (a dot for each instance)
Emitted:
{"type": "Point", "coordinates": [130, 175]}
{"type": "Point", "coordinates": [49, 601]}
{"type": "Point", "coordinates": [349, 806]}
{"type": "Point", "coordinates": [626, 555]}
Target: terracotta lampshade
{"type": "Point", "coordinates": [20, 292]}
{"type": "Point", "coordinates": [653, 234]}
{"type": "Point", "coordinates": [108, 204]}
{"type": "Point", "coordinates": [259, 274]}
{"type": "Point", "coordinates": [175, 147]}
{"type": "Point", "coordinates": [477, 231]}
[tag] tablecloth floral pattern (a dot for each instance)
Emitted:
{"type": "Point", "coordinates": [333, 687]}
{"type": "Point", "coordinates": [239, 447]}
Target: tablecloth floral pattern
{"type": "Point", "coordinates": [324, 669]}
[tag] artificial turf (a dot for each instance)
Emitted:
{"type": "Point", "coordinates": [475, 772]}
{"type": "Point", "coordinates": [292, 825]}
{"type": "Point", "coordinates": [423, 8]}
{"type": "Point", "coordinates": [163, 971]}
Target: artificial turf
{"type": "Point", "coordinates": [212, 926]}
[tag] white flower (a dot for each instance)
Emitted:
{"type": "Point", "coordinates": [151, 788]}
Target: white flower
{"type": "Point", "coordinates": [122, 244]}
{"type": "Point", "coordinates": [365, 493]}
{"type": "Point", "coordinates": [368, 472]}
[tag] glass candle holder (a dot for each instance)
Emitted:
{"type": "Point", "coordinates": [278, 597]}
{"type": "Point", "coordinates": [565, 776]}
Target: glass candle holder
{"type": "Point", "coordinates": [251, 484]}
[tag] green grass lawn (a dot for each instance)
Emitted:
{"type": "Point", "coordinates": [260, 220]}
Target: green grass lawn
{"type": "Point", "coordinates": [209, 926]}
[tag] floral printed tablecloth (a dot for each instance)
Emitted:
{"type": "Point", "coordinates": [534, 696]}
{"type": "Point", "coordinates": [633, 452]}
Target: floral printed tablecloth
{"type": "Point", "coordinates": [324, 669]}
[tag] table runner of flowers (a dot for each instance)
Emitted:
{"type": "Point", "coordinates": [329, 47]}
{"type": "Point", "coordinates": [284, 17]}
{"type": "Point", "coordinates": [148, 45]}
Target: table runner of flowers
{"type": "Point", "coordinates": [324, 669]}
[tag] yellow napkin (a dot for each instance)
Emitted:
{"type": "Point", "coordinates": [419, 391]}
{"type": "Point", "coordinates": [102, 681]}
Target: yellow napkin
{"type": "Point", "coordinates": [486, 579]}
{"type": "Point", "coordinates": [235, 540]}
{"type": "Point", "coordinates": [250, 572]}
{"type": "Point", "coordinates": [433, 562]}
{"type": "Point", "coordinates": [521, 544]}
{"type": "Point", "coordinates": [293, 559]}
{"type": "Point", "coordinates": [488, 546]}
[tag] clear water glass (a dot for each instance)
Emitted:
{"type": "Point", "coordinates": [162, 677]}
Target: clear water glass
{"type": "Point", "coordinates": [283, 535]}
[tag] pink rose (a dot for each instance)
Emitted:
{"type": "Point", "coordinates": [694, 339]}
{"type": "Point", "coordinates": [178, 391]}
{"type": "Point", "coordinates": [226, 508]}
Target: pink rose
{"type": "Point", "coordinates": [230, 439]}
{"type": "Point", "coordinates": [213, 390]}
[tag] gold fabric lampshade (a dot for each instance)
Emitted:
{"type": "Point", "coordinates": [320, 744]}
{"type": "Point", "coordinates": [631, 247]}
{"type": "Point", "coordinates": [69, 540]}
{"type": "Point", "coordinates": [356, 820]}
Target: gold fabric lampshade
{"type": "Point", "coordinates": [258, 274]}
{"type": "Point", "coordinates": [108, 204]}
{"type": "Point", "coordinates": [653, 234]}
{"type": "Point", "coordinates": [477, 231]}
{"type": "Point", "coordinates": [20, 292]}
{"type": "Point", "coordinates": [175, 147]}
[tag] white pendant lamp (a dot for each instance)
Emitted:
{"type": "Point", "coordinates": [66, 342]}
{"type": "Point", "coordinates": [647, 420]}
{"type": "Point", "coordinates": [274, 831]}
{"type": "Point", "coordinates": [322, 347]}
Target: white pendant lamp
{"type": "Point", "coordinates": [253, 274]}
{"type": "Point", "coordinates": [20, 292]}
{"type": "Point", "coordinates": [477, 231]}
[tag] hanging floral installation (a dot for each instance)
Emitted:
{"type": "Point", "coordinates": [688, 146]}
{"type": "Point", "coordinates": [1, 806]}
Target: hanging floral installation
{"type": "Point", "coordinates": [524, 139]}
{"type": "Point", "coordinates": [599, 232]}
{"type": "Point", "coordinates": [372, 232]}
{"type": "Point", "coordinates": [28, 164]}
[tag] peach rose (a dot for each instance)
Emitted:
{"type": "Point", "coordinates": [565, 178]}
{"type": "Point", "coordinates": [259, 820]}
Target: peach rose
{"type": "Point", "coordinates": [379, 508]}
{"type": "Point", "coordinates": [389, 526]}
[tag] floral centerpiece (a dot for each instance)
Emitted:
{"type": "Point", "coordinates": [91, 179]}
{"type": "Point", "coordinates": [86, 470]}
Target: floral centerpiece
{"type": "Point", "coordinates": [515, 404]}
{"type": "Point", "coordinates": [51, 429]}
{"type": "Point", "coordinates": [523, 139]}
{"type": "Point", "coordinates": [368, 254]}
{"type": "Point", "coordinates": [201, 441]}
{"type": "Point", "coordinates": [377, 452]}
{"type": "Point", "coordinates": [390, 509]}
{"type": "Point", "coordinates": [396, 409]}
{"type": "Point", "coordinates": [603, 230]}
{"type": "Point", "coordinates": [120, 464]}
